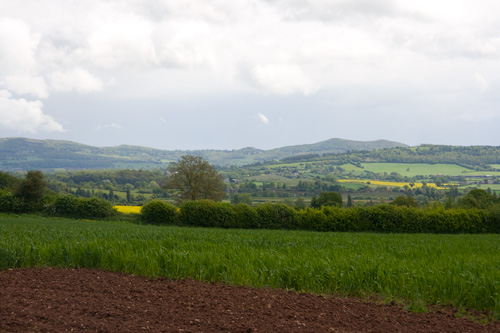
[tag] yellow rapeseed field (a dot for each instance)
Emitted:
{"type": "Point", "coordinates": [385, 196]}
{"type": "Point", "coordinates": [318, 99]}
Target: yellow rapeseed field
{"type": "Point", "coordinates": [389, 184]}
{"type": "Point", "coordinates": [128, 209]}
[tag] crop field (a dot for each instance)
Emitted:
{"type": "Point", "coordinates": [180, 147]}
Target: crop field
{"type": "Point", "coordinates": [482, 173]}
{"type": "Point", "coordinates": [405, 169]}
{"type": "Point", "coordinates": [415, 169]}
{"type": "Point", "coordinates": [129, 209]}
{"type": "Point", "coordinates": [457, 270]}
{"type": "Point", "coordinates": [387, 183]}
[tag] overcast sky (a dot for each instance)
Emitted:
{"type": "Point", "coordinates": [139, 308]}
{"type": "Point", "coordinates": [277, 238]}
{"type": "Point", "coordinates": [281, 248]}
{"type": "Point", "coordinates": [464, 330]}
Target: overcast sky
{"type": "Point", "coordinates": [217, 74]}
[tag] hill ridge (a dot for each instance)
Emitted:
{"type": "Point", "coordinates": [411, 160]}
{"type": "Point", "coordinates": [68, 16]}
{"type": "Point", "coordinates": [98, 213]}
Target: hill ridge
{"type": "Point", "coordinates": [18, 153]}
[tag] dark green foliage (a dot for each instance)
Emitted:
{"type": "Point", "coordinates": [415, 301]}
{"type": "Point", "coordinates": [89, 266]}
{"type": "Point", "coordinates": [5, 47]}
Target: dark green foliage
{"type": "Point", "coordinates": [8, 182]}
{"type": "Point", "coordinates": [477, 199]}
{"type": "Point", "coordinates": [246, 217]}
{"type": "Point", "coordinates": [31, 190]}
{"type": "Point", "coordinates": [195, 179]}
{"type": "Point", "coordinates": [9, 203]}
{"type": "Point", "coordinates": [207, 213]}
{"type": "Point", "coordinates": [277, 216]}
{"type": "Point", "coordinates": [226, 215]}
{"type": "Point", "coordinates": [245, 198]}
{"type": "Point", "coordinates": [381, 218]}
{"type": "Point", "coordinates": [94, 208]}
{"type": "Point", "coordinates": [65, 205]}
{"type": "Point", "coordinates": [312, 219]}
{"type": "Point", "coordinates": [327, 199]}
{"type": "Point", "coordinates": [159, 212]}
{"type": "Point", "coordinates": [201, 213]}
{"type": "Point", "coordinates": [349, 201]}
{"type": "Point", "coordinates": [406, 201]}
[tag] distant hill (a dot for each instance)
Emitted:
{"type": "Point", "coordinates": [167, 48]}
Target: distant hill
{"type": "Point", "coordinates": [30, 154]}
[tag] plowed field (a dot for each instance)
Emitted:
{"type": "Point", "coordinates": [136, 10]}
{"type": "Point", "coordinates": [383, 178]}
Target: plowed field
{"type": "Point", "coordinates": [84, 300]}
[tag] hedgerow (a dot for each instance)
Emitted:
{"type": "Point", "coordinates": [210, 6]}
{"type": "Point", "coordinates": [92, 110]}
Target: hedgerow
{"type": "Point", "coordinates": [159, 212]}
{"type": "Point", "coordinates": [381, 218]}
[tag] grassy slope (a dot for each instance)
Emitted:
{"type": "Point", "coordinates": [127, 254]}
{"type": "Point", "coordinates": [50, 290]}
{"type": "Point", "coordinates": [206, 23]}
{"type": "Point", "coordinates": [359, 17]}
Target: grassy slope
{"type": "Point", "coordinates": [24, 154]}
{"type": "Point", "coordinates": [433, 269]}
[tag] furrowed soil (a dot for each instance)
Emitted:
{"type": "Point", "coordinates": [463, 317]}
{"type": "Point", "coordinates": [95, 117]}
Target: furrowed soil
{"type": "Point", "coordinates": [88, 300]}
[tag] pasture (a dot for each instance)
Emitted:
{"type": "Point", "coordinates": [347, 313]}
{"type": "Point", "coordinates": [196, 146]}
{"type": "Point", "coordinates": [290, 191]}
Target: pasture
{"type": "Point", "coordinates": [415, 169]}
{"type": "Point", "coordinates": [414, 269]}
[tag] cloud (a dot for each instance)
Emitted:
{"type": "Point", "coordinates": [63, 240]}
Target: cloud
{"type": "Point", "coordinates": [101, 127]}
{"type": "Point", "coordinates": [283, 79]}
{"type": "Point", "coordinates": [77, 79]}
{"type": "Point", "coordinates": [263, 118]}
{"type": "Point", "coordinates": [26, 84]}
{"type": "Point", "coordinates": [17, 46]}
{"type": "Point", "coordinates": [481, 81]}
{"type": "Point", "coordinates": [25, 116]}
{"type": "Point", "coordinates": [281, 47]}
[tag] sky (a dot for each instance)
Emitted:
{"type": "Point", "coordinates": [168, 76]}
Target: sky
{"type": "Point", "coordinates": [225, 74]}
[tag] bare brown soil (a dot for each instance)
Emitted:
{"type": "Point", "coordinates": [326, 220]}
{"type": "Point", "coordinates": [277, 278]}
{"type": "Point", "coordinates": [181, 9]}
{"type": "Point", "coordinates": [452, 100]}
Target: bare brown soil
{"type": "Point", "coordinates": [64, 300]}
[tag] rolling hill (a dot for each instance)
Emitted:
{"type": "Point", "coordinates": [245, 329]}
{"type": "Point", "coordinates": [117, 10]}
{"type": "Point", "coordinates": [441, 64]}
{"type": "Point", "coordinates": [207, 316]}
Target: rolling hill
{"type": "Point", "coordinates": [29, 154]}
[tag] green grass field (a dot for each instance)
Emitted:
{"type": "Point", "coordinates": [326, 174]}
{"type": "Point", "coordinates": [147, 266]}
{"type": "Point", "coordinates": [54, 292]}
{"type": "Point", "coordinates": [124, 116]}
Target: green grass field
{"type": "Point", "coordinates": [415, 169]}
{"type": "Point", "coordinates": [457, 270]}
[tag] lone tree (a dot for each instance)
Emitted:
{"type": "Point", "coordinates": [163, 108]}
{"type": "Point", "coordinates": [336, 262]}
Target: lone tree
{"type": "Point", "coordinates": [327, 199]}
{"type": "Point", "coordinates": [32, 190]}
{"type": "Point", "coordinates": [196, 179]}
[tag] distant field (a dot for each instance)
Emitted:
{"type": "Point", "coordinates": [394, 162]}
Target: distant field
{"type": "Point", "coordinates": [405, 169]}
{"type": "Point", "coordinates": [493, 187]}
{"type": "Point", "coordinates": [415, 169]}
{"type": "Point", "coordinates": [386, 183]}
{"type": "Point", "coordinates": [482, 173]}
{"type": "Point", "coordinates": [456, 270]}
{"type": "Point", "coordinates": [273, 178]}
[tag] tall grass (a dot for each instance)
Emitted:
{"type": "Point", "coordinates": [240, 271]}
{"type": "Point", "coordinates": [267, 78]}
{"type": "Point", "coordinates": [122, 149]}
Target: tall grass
{"type": "Point", "coordinates": [456, 270]}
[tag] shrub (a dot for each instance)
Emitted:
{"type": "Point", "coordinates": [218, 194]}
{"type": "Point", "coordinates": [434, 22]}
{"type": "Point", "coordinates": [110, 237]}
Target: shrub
{"type": "Point", "coordinates": [226, 216]}
{"type": "Point", "coordinates": [312, 219]}
{"type": "Point", "coordinates": [9, 203]}
{"type": "Point", "coordinates": [246, 217]}
{"type": "Point", "coordinates": [201, 213]}
{"type": "Point", "coordinates": [277, 216]}
{"type": "Point", "coordinates": [94, 208]}
{"type": "Point", "coordinates": [159, 212]}
{"type": "Point", "coordinates": [65, 205]}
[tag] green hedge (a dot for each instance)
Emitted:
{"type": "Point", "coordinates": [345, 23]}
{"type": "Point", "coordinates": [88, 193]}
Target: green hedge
{"type": "Point", "coordinates": [9, 203]}
{"type": "Point", "coordinates": [159, 212]}
{"type": "Point", "coordinates": [86, 208]}
{"type": "Point", "coordinates": [381, 218]}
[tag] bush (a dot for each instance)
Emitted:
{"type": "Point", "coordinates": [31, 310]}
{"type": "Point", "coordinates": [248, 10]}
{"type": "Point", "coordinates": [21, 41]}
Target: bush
{"type": "Point", "coordinates": [226, 216]}
{"type": "Point", "coordinates": [246, 217]}
{"type": "Point", "coordinates": [94, 208]}
{"type": "Point", "coordinates": [312, 219]}
{"type": "Point", "coordinates": [201, 213]}
{"type": "Point", "coordinates": [159, 212]}
{"type": "Point", "coordinates": [9, 203]}
{"type": "Point", "coordinates": [65, 205]}
{"type": "Point", "coordinates": [277, 216]}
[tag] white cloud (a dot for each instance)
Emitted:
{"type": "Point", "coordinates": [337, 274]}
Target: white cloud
{"type": "Point", "coordinates": [25, 116]}
{"type": "Point", "coordinates": [263, 118]}
{"type": "Point", "coordinates": [77, 79]}
{"type": "Point", "coordinates": [101, 127]}
{"type": "Point", "coordinates": [481, 81]}
{"type": "Point", "coordinates": [17, 46]}
{"type": "Point", "coordinates": [26, 84]}
{"type": "Point", "coordinates": [283, 79]}
{"type": "Point", "coordinates": [281, 47]}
